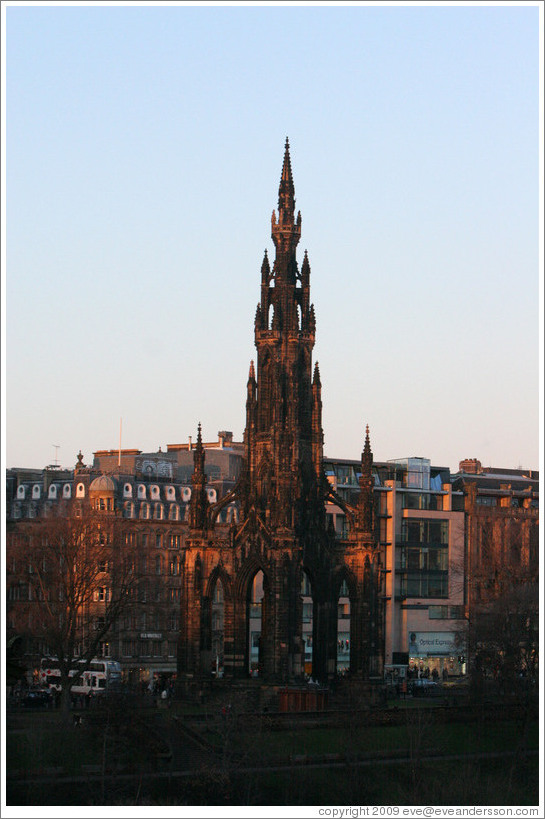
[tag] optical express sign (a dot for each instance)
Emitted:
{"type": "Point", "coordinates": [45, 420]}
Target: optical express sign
{"type": "Point", "coordinates": [432, 643]}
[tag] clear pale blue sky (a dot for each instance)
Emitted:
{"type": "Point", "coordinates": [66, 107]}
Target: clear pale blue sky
{"type": "Point", "coordinates": [144, 149]}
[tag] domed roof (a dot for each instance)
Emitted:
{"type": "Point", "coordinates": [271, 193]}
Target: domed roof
{"type": "Point", "coordinates": [103, 484]}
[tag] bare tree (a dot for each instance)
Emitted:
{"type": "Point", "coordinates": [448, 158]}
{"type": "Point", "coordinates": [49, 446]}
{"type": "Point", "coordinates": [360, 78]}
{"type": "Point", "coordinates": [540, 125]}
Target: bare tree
{"type": "Point", "coordinates": [503, 609]}
{"type": "Point", "coordinates": [71, 576]}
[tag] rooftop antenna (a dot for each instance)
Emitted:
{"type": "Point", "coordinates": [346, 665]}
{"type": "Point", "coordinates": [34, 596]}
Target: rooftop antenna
{"type": "Point", "coordinates": [56, 447]}
{"type": "Point", "coordinates": [120, 427]}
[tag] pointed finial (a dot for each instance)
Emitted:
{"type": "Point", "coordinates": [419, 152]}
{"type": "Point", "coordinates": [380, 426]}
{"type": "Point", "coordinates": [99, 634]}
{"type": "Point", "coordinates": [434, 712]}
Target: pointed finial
{"type": "Point", "coordinates": [252, 371]}
{"type": "Point", "coordinates": [286, 192]}
{"type": "Point", "coordinates": [316, 380]}
{"type": "Point", "coordinates": [367, 455]}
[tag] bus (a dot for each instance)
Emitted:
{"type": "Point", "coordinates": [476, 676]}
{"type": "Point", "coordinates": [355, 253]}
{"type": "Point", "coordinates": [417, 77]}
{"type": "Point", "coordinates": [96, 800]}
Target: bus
{"type": "Point", "coordinates": [100, 676]}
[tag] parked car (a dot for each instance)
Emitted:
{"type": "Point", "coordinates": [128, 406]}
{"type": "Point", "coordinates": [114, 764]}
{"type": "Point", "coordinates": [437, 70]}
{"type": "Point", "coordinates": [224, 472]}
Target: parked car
{"type": "Point", "coordinates": [37, 698]}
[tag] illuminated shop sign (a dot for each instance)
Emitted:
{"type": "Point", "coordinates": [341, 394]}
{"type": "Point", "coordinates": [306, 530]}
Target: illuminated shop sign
{"type": "Point", "coordinates": [433, 643]}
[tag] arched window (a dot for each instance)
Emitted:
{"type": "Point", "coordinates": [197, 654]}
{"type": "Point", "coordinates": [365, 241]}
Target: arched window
{"type": "Point", "coordinates": [144, 511]}
{"type": "Point", "coordinates": [141, 492]}
{"type": "Point", "coordinates": [159, 511]}
{"type": "Point", "coordinates": [67, 491]}
{"type": "Point", "coordinates": [128, 510]}
{"type": "Point", "coordinates": [174, 512]}
{"type": "Point", "coordinates": [127, 490]}
{"type": "Point", "coordinates": [80, 490]}
{"type": "Point", "coordinates": [52, 495]}
{"type": "Point", "coordinates": [232, 514]}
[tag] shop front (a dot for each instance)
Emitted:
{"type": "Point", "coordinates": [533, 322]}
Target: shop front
{"type": "Point", "coordinates": [436, 655]}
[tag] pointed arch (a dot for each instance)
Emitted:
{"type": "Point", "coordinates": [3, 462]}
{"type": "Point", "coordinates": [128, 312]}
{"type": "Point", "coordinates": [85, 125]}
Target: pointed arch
{"type": "Point", "coordinates": [343, 574]}
{"type": "Point", "coordinates": [252, 594]}
{"type": "Point", "coordinates": [307, 619]}
{"type": "Point", "coordinates": [219, 573]}
{"type": "Point", "coordinates": [345, 598]}
{"type": "Point", "coordinates": [246, 575]}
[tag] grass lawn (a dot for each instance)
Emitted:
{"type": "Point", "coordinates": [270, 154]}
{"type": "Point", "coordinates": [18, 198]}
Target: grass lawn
{"type": "Point", "coordinates": [443, 739]}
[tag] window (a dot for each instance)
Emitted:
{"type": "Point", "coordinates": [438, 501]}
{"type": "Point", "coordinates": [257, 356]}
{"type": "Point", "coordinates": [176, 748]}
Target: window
{"type": "Point", "coordinates": [307, 612]}
{"type": "Point", "coordinates": [158, 562]}
{"type": "Point", "coordinates": [14, 592]}
{"type": "Point", "coordinates": [483, 501]}
{"type": "Point", "coordinates": [175, 566]}
{"type": "Point", "coordinates": [128, 648]}
{"type": "Point", "coordinates": [158, 541]}
{"type": "Point", "coordinates": [159, 511]}
{"type": "Point", "coordinates": [174, 512]}
{"type": "Point", "coordinates": [173, 595]}
{"type": "Point", "coordinates": [171, 648]}
{"type": "Point", "coordinates": [417, 530]}
{"type": "Point", "coordinates": [173, 621]}
{"type": "Point", "coordinates": [130, 622]}
{"type": "Point", "coordinates": [446, 612]}
{"type": "Point", "coordinates": [102, 594]}
{"type": "Point", "coordinates": [423, 558]}
{"type": "Point", "coordinates": [422, 584]}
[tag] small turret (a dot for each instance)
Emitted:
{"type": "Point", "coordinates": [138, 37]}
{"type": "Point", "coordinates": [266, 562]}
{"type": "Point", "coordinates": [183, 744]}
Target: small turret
{"type": "Point", "coordinates": [365, 500]}
{"type": "Point", "coordinates": [199, 501]}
